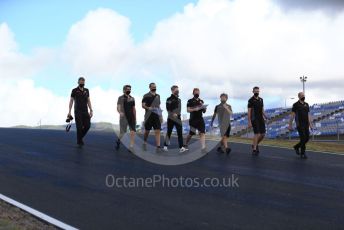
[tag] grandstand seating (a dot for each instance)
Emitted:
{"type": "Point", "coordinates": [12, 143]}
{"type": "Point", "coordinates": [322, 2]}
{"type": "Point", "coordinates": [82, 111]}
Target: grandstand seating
{"type": "Point", "coordinates": [325, 118]}
{"type": "Point", "coordinates": [328, 118]}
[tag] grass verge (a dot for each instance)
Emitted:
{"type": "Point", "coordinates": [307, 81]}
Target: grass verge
{"type": "Point", "coordinates": [332, 147]}
{"type": "Point", "coordinates": [13, 218]}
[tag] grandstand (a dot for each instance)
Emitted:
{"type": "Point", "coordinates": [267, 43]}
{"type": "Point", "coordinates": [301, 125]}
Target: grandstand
{"type": "Point", "coordinates": [328, 119]}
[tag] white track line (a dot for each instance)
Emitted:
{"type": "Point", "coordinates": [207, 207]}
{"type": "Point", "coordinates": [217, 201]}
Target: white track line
{"type": "Point", "coordinates": [36, 213]}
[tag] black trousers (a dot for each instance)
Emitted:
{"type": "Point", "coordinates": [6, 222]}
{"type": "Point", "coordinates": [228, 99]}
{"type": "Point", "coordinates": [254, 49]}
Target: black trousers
{"type": "Point", "coordinates": [178, 124]}
{"type": "Point", "coordinates": [304, 138]}
{"type": "Point", "coordinates": [83, 124]}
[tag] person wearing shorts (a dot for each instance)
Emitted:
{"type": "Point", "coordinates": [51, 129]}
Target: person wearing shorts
{"type": "Point", "coordinates": [127, 116]}
{"type": "Point", "coordinates": [196, 109]}
{"type": "Point", "coordinates": [224, 112]}
{"type": "Point", "coordinates": [153, 116]}
{"type": "Point", "coordinates": [256, 119]}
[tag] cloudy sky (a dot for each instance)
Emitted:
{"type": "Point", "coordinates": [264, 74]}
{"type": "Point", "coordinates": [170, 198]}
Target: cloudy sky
{"type": "Point", "coordinates": [216, 45]}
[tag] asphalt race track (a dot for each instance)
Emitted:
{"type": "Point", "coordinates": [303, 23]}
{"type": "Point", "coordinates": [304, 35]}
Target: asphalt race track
{"type": "Point", "coordinates": [46, 171]}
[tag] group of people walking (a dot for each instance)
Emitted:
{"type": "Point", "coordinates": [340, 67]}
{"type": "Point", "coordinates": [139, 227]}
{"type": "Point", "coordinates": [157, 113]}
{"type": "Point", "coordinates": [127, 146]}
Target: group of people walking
{"type": "Point", "coordinates": [153, 118]}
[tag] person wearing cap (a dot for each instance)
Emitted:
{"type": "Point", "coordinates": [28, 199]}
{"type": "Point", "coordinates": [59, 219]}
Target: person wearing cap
{"type": "Point", "coordinates": [127, 116]}
{"type": "Point", "coordinates": [80, 96]}
{"type": "Point", "coordinates": [224, 112]}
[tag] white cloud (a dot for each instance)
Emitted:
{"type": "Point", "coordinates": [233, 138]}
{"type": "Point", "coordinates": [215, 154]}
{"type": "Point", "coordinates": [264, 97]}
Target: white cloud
{"type": "Point", "coordinates": [25, 103]}
{"type": "Point", "coordinates": [217, 45]}
{"type": "Point", "coordinates": [328, 6]}
{"type": "Point", "coordinates": [7, 43]}
{"type": "Point", "coordinates": [235, 45]}
{"type": "Point", "coordinates": [15, 65]}
{"type": "Point", "coordinates": [99, 44]}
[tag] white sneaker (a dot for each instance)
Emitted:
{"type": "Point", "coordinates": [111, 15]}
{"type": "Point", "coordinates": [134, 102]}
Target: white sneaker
{"type": "Point", "coordinates": [168, 142]}
{"type": "Point", "coordinates": [182, 149]}
{"type": "Point", "coordinates": [165, 149]}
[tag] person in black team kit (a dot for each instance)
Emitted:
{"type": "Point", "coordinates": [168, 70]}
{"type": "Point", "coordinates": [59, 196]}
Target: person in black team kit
{"type": "Point", "coordinates": [195, 107]}
{"type": "Point", "coordinates": [153, 116]}
{"type": "Point", "coordinates": [256, 119]}
{"type": "Point", "coordinates": [127, 116]}
{"type": "Point", "coordinates": [81, 96]}
{"type": "Point", "coordinates": [173, 106]}
{"type": "Point", "coordinates": [224, 112]}
{"type": "Point", "coordinates": [300, 112]}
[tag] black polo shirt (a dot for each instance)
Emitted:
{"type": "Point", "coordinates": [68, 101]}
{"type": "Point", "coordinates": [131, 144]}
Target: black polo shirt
{"type": "Point", "coordinates": [127, 104]}
{"type": "Point", "coordinates": [173, 105]}
{"type": "Point", "coordinates": [80, 99]}
{"type": "Point", "coordinates": [301, 111]}
{"type": "Point", "coordinates": [195, 102]}
{"type": "Point", "coordinates": [222, 113]}
{"type": "Point", "coordinates": [257, 105]}
{"type": "Point", "coordinates": [151, 100]}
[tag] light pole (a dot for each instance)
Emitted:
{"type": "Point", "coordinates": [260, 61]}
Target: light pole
{"type": "Point", "coordinates": [303, 79]}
